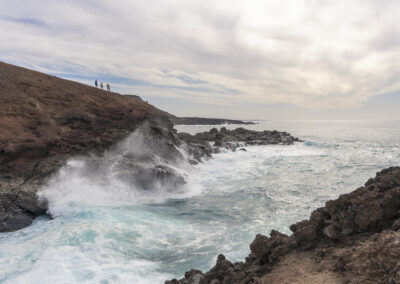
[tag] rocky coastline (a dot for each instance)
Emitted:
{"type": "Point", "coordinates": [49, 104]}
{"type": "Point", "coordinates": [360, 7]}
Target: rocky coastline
{"type": "Point", "coordinates": [353, 239]}
{"type": "Point", "coordinates": [44, 122]}
{"type": "Point", "coordinates": [47, 120]}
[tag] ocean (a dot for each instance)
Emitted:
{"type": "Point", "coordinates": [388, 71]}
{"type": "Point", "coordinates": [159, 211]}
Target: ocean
{"type": "Point", "coordinates": [116, 234]}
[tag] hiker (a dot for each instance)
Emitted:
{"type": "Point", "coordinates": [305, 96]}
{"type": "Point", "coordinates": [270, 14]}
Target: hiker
{"type": "Point", "coordinates": [101, 85]}
{"type": "Point", "coordinates": [95, 83]}
{"type": "Point", "coordinates": [108, 87]}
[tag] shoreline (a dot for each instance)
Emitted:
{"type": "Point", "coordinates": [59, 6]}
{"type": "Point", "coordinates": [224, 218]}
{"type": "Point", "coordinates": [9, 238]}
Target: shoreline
{"type": "Point", "coordinates": [50, 120]}
{"type": "Point", "coordinates": [352, 239]}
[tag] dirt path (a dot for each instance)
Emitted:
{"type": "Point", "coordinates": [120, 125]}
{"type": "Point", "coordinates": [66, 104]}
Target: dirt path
{"type": "Point", "coordinates": [299, 268]}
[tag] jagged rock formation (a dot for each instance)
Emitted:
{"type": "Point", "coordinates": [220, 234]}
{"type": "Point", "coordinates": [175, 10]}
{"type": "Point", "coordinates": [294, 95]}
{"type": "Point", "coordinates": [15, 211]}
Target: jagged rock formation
{"type": "Point", "coordinates": [238, 138]}
{"type": "Point", "coordinates": [353, 239]}
{"type": "Point", "coordinates": [148, 159]}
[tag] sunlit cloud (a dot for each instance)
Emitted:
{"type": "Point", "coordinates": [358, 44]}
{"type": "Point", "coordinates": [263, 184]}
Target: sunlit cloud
{"type": "Point", "coordinates": [313, 54]}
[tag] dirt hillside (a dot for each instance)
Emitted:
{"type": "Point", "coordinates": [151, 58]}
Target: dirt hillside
{"type": "Point", "coordinates": [45, 116]}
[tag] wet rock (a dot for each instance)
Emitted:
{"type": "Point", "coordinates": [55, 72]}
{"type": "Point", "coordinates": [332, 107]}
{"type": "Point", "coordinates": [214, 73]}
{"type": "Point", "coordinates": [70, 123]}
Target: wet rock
{"type": "Point", "coordinates": [18, 208]}
{"type": "Point", "coordinates": [240, 137]}
{"type": "Point", "coordinates": [148, 176]}
{"type": "Point", "coordinates": [195, 147]}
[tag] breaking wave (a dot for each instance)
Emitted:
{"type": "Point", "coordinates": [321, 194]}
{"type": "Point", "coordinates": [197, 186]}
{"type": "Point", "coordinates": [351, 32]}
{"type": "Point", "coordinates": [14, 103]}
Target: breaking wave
{"type": "Point", "coordinates": [107, 228]}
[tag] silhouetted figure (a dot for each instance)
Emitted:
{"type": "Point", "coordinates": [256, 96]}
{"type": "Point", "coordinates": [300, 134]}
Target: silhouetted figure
{"type": "Point", "coordinates": [101, 85]}
{"type": "Point", "coordinates": [95, 83]}
{"type": "Point", "coordinates": [108, 87]}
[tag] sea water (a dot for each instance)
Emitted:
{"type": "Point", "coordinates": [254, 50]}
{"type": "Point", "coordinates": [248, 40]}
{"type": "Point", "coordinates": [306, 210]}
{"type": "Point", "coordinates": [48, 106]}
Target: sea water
{"type": "Point", "coordinates": [108, 233]}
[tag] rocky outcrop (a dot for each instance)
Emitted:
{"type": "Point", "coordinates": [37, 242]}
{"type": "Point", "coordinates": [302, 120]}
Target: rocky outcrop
{"type": "Point", "coordinates": [238, 138]}
{"type": "Point", "coordinates": [355, 236]}
{"type": "Point", "coordinates": [19, 206]}
{"type": "Point", "coordinates": [148, 159]}
{"type": "Point", "coordinates": [376, 260]}
{"type": "Point", "coordinates": [354, 216]}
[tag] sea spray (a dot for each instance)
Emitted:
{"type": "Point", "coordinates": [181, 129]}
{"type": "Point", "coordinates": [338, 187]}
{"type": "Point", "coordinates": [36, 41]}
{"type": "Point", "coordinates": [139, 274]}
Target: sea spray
{"type": "Point", "coordinates": [135, 171]}
{"type": "Point", "coordinates": [149, 240]}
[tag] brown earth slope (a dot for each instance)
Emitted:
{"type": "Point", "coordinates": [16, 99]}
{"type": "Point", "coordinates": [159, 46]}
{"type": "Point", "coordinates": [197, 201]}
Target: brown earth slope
{"type": "Point", "coordinates": [44, 120]}
{"type": "Point", "coordinates": [42, 115]}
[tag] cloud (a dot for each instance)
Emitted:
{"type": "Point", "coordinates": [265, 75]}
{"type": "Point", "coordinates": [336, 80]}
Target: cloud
{"type": "Point", "coordinates": [309, 53]}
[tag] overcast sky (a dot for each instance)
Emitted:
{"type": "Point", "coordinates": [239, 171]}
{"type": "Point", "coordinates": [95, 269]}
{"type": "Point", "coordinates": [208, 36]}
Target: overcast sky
{"type": "Point", "coordinates": [267, 59]}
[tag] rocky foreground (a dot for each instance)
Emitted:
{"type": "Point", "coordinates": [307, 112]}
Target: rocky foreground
{"type": "Point", "coordinates": [353, 239]}
{"type": "Point", "coordinates": [46, 120]}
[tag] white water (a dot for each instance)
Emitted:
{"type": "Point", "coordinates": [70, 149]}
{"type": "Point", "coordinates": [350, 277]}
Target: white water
{"type": "Point", "coordinates": [107, 232]}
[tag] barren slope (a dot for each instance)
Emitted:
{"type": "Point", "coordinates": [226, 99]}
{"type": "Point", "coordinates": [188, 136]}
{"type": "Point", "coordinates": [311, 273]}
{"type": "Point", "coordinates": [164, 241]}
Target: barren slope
{"type": "Point", "coordinates": [42, 115]}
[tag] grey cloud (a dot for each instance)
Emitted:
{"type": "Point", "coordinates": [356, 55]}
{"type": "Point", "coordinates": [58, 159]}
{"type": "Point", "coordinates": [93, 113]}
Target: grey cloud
{"type": "Point", "coordinates": [327, 54]}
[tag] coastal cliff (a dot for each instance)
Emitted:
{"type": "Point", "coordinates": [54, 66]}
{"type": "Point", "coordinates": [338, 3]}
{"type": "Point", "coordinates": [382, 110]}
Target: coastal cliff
{"type": "Point", "coordinates": [46, 120]}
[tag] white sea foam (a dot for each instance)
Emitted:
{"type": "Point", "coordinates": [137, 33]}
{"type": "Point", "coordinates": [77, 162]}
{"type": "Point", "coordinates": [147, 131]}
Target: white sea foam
{"type": "Point", "coordinates": [72, 191]}
{"type": "Point", "coordinates": [68, 264]}
{"type": "Point", "coordinates": [80, 186]}
{"type": "Point", "coordinates": [108, 232]}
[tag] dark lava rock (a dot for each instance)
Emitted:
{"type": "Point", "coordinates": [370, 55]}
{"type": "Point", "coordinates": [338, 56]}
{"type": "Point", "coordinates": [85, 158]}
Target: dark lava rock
{"type": "Point", "coordinates": [18, 208]}
{"type": "Point", "coordinates": [356, 236]}
{"type": "Point", "coordinates": [377, 260]}
{"type": "Point", "coordinates": [367, 210]}
{"type": "Point", "coordinates": [238, 138]}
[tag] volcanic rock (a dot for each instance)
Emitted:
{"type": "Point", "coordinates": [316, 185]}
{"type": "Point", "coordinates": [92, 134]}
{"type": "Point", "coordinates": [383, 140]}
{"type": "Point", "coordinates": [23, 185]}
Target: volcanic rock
{"type": "Point", "coordinates": [353, 239]}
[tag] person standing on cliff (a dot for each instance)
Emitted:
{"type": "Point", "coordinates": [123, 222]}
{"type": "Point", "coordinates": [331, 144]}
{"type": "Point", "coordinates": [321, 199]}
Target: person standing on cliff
{"type": "Point", "coordinates": [101, 85]}
{"type": "Point", "coordinates": [95, 83]}
{"type": "Point", "coordinates": [108, 87]}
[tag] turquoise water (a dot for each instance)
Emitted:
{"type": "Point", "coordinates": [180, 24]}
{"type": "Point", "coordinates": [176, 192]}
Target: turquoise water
{"type": "Point", "coordinates": [110, 233]}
